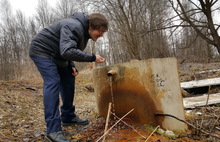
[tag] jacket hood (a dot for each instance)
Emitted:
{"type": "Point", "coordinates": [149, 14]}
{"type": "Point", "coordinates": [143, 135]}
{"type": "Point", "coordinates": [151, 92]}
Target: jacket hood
{"type": "Point", "coordinates": [82, 18]}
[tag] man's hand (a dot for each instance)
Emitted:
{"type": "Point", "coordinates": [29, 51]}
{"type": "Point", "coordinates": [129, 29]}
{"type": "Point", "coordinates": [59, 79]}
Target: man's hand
{"type": "Point", "coordinates": [74, 73]}
{"type": "Point", "coordinates": [99, 59]}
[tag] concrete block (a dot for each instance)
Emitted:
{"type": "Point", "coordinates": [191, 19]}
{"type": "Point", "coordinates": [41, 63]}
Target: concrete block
{"type": "Point", "coordinates": [147, 86]}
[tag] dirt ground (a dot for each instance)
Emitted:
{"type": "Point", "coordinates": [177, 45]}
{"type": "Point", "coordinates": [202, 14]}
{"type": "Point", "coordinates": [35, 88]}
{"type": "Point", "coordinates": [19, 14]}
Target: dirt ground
{"type": "Point", "coordinates": [22, 117]}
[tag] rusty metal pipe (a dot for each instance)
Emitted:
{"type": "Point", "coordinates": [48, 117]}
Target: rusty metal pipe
{"type": "Point", "coordinates": [112, 73]}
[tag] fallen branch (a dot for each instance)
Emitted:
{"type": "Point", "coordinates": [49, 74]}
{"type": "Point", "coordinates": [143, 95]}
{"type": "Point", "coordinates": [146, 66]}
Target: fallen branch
{"type": "Point", "coordinates": [205, 132]}
{"type": "Point", "coordinates": [114, 125]}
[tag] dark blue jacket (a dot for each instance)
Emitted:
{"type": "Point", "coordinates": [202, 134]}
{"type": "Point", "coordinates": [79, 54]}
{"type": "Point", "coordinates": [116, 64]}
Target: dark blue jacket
{"type": "Point", "coordinates": [63, 41]}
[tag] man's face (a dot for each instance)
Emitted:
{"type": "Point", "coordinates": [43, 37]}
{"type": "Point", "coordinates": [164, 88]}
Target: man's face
{"type": "Point", "coordinates": [95, 34]}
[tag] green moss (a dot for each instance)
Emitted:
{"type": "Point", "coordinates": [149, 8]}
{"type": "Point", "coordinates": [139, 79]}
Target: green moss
{"type": "Point", "coordinates": [152, 128]}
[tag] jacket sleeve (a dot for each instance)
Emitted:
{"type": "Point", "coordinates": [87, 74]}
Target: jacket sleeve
{"type": "Point", "coordinates": [72, 64]}
{"type": "Point", "coordinates": [68, 47]}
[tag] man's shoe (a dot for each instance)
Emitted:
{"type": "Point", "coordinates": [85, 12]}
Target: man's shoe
{"type": "Point", "coordinates": [76, 121]}
{"type": "Point", "coordinates": [56, 137]}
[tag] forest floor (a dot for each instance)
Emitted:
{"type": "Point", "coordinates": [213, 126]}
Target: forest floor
{"type": "Point", "coordinates": [22, 116]}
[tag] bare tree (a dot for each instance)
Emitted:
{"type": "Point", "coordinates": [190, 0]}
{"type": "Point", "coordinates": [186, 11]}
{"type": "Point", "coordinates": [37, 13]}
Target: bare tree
{"type": "Point", "coordinates": [129, 18]}
{"type": "Point", "coordinates": [5, 44]}
{"type": "Point", "coordinates": [5, 68]}
{"type": "Point", "coordinates": [65, 8]}
{"type": "Point", "coordinates": [44, 13]}
{"type": "Point", "coordinates": [14, 43]}
{"type": "Point", "coordinates": [200, 18]}
{"type": "Point", "coordinates": [23, 36]}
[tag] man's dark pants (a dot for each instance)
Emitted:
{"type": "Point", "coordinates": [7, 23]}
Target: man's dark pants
{"type": "Point", "coordinates": [56, 80]}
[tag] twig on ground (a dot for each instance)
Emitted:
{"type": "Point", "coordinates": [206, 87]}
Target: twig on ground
{"type": "Point", "coordinates": [206, 107]}
{"type": "Point", "coordinates": [207, 101]}
{"type": "Point", "coordinates": [201, 124]}
{"type": "Point", "coordinates": [32, 89]}
{"type": "Point", "coordinates": [107, 120]}
{"type": "Point", "coordinates": [2, 134]}
{"type": "Point", "coordinates": [207, 133]}
{"type": "Point", "coordinates": [182, 61]}
{"type": "Point", "coordinates": [197, 127]}
{"type": "Point", "coordinates": [152, 133]}
{"type": "Point", "coordinates": [114, 125]}
{"type": "Point", "coordinates": [216, 121]}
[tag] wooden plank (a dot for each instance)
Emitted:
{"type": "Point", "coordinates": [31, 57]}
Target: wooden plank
{"type": "Point", "coordinates": [209, 71]}
{"type": "Point", "coordinates": [200, 83]}
{"type": "Point", "coordinates": [197, 101]}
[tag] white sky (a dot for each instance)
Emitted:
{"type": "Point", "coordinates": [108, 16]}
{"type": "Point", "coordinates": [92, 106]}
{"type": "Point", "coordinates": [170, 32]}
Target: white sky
{"type": "Point", "coordinates": [28, 6]}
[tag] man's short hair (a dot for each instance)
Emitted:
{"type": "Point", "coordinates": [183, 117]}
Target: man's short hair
{"type": "Point", "coordinates": [98, 21]}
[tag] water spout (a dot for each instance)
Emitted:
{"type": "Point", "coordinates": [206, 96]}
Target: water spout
{"type": "Point", "coordinates": [112, 73]}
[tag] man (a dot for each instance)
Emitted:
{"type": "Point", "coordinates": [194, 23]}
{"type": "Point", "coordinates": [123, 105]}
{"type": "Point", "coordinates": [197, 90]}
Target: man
{"type": "Point", "coordinates": [53, 51]}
